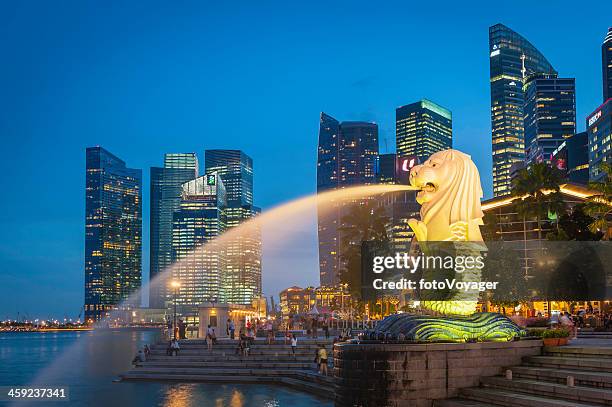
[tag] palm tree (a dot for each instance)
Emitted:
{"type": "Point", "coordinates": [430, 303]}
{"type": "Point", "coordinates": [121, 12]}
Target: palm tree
{"type": "Point", "coordinates": [599, 205]}
{"type": "Point", "coordinates": [537, 192]}
{"type": "Point", "coordinates": [363, 222]}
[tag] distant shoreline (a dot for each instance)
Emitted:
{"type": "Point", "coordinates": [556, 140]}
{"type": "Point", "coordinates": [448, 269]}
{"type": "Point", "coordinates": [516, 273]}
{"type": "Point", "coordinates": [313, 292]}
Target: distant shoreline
{"type": "Point", "coordinates": [89, 328]}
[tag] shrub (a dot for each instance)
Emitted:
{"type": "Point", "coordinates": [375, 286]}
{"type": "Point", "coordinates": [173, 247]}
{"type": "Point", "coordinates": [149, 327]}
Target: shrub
{"type": "Point", "coordinates": [555, 333]}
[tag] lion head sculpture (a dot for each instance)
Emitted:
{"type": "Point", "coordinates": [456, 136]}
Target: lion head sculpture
{"type": "Point", "coordinates": [450, 194]}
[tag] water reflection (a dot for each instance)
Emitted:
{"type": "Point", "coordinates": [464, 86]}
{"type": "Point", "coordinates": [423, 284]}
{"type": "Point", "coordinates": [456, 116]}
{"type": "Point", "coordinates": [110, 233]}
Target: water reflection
{"type": "Point", "coordinates": [87, 363]}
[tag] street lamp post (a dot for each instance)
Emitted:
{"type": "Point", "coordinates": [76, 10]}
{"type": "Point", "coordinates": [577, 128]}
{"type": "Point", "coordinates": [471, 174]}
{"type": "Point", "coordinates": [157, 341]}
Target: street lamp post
{"type": "Point", "coordinates": [175, 285]}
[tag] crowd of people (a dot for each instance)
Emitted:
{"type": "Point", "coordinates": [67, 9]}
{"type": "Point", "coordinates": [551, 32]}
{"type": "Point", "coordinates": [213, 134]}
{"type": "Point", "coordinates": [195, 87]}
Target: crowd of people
{"type": "Point", "coordinates": [246, 334]}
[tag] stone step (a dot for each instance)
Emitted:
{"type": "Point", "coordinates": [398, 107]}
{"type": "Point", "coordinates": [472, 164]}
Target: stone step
{"type": "Point", "coordinates": [590, 336]}
{"type": "Point", "coordinates": [229, 355]}
{"type": "Point", "coordinates": [506, 398]}
{"type": "Point", "coordinates": [602, 365]}
{"type": "Point", "coordinates": [221, 358]}
{"type": "Point", "coordinates": [581, 377]}
{"type": "Point", "coordinates": [579, 351]}
{"type": "Point", "coordinates": [459, 402]}
{"type": "Point", "coordinates": [229, 342]}
{"type": "Point", "coordinates": [214, 371]}
{"type": "Point", "coordinates": [253, 366]}
{"type": "Point", "coordinates": [246, 364]}
{"type": "Point", "coordinates": [555, 390]}
{"type": "Point", "coordinates": [268, 351]}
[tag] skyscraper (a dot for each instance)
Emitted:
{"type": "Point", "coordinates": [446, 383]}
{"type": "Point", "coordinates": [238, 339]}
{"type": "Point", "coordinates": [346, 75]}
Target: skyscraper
{"type": "Point", "coordinates": [113, 233]}
{"type": "Point", "coordinates": [599, 129]}
{"type": "Point", "coordinates": [550, 115]}
{"type": "Point", "coordinates": [241, 281]}
{"type": "Point", "coordinates": [347, 155]}
{"type": "Point", "coordinates": [166, 190]}
{"type": "Point", "coordinates": [422, 128]}
{"type": "Point", "coordinates": [606, 65]}
{"type": "Point", "coordinates": [399, 206]}
{"type": "Point", "coordinates": [572, 157]}
{"type": "Point", "coordinates": [198, 263]}
{"type": "Point", "coordinates": [512, 58]}
{"type": "Point", "coordinates": [236, 170]}
{"type": "Point", "coordinates": [386, 168]}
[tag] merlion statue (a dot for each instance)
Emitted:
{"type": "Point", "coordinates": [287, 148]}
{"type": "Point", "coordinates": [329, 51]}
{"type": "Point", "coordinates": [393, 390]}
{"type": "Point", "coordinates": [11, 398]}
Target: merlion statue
{"type": "Point", "coordinates": [449, 193]}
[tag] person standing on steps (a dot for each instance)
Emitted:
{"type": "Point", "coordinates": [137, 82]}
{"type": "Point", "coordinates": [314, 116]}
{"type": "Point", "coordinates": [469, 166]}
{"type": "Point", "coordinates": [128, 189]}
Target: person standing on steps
{"type": "Point", "coordinates": [174, 347]}
{"type": "Point", "coordinates": [182, 329]}
{"type": "Point", "coordinates": [293, 344]}
{"type": "Point", "coordinates": [232, 329]}
{"type": "Point", "coordinates": [210, 332]}
{"type": "Point", "coordinates": [169, 331]}
{"type": "Point", "coordinates": [269, 332]}
{"type": "Point", "coordinates": [322, 360]}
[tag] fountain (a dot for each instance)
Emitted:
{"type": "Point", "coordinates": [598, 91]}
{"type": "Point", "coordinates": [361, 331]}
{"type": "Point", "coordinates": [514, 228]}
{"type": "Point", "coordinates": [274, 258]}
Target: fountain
{"type": "Point", "coordinates": [452, 347]}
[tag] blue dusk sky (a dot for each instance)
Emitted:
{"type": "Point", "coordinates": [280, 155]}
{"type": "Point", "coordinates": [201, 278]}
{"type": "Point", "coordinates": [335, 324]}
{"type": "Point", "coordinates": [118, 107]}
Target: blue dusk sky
{"type": "Point", "coordinates": [145, 78]}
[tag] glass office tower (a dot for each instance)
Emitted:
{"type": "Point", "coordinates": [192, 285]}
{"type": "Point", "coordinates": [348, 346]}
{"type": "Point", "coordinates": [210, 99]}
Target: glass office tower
{"type": "Point", "coordinates": [236, 170]}
{"type": "Point", "coordinates": [606, 65]}
{"type": "Point", "coordinates": [550, 115]}
{"type": "Point", "coordinates": [241, 281]}
{"type": "Point", "coordinates": [422, 128]}
{"type": "Point", "coordinates": [599, 129]}
{"type": "Point", "coordinates": [512, 58]}
{"type": "Point", "coordinates": [347, 155]}
{"type": "Point", "coordinates": [113, 233]}
{"type": "Point", "coordinates": [199, 263]}
{"type": "Point", "coordinates": [166, 190]}
{"type": "Point", "coordinates": [386, 168]}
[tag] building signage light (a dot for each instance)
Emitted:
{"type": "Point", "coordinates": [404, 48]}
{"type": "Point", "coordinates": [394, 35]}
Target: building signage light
{"type": "Point", "coordinates": [495, 53]}
{"type": "Point", "coordinates": [594, 118]}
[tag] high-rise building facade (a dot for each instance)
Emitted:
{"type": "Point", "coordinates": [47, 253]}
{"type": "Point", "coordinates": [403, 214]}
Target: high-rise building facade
{"type": "Point", "coordinates": [241, 281]}
{"type": "Point", "coordinates": [572, 157]}
{"type": "Point", "coordinates": [599, 129]}
{"type": "Point", "coordinates": [422, 128]}
{"type": "Point", "coordinates": [512, 59]}
{"type": "Point", "coordinates": [606, 65]}
{"type": "Point", "coordinates": [549, 114]}
{"type": "Point", "coordinates": [199, 262]}
{"type": "Point", "coordinates": [166, 191]}
{"type": "Point", "coordinates": [347, 155]}
{"type": "Point", "coordinates": [386, 168]}
{"type": "Point", "coordinates": [236, 170]}
{"type": "Point", "coordinates": [113, 233]}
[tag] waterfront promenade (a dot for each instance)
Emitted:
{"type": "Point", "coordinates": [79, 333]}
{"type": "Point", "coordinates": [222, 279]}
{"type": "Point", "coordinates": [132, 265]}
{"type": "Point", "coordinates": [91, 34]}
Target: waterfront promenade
{"type": "Point", "coordinates": [577, 375]}
{"type": "Point", "coordinates": [266, 363]}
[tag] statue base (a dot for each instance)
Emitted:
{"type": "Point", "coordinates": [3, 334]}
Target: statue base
{"type": "Point", "coordinates": [479, 327]}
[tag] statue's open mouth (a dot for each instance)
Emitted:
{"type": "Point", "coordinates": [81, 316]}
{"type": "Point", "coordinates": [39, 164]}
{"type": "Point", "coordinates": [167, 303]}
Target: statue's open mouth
{"type": "Point", "coordinates": [429, 187]}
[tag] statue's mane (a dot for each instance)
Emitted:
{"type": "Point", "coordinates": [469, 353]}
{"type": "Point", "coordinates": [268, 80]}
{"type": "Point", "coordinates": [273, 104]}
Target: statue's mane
{"type": "Point", "coordinates": [458, 200]}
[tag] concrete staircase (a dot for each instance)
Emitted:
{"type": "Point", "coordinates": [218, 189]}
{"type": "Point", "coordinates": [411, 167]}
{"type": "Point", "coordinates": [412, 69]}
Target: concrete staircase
{"type": "Point", "coordinates": [589, 334]}
{"type": "Point", "coordinates": [265, 364]}
{"type": "Point", "coordinates": [541, 381]}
